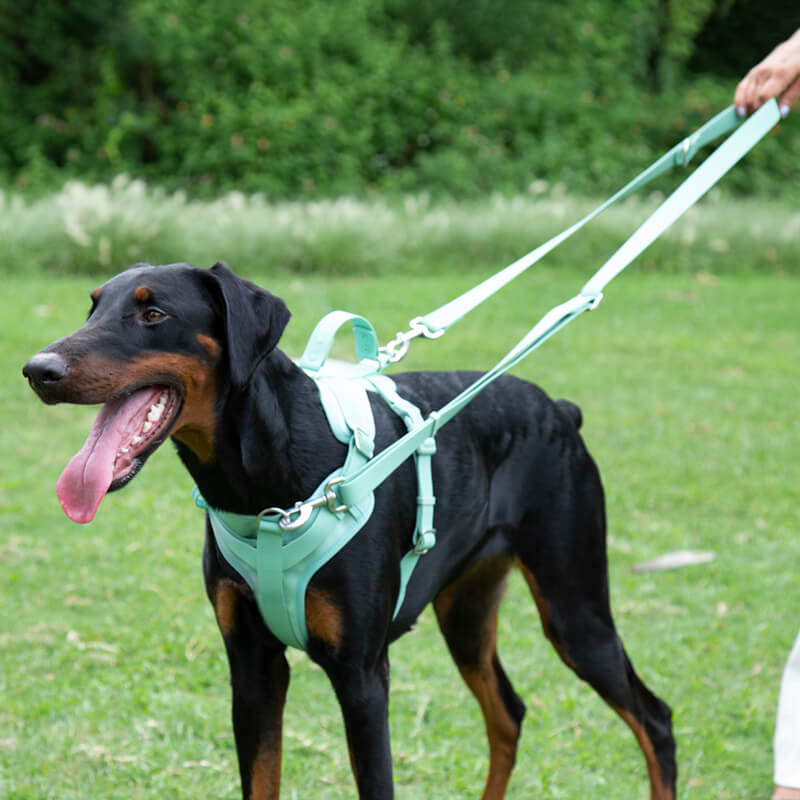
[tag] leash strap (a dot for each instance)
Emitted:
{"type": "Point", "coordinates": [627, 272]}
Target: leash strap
{"type": "Point", "coordinates": [441, 319]}
{"type": "Point", "coordinates": [372, 474]}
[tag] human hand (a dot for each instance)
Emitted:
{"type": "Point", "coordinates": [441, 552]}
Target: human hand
{"type": "Point", "coordinates": [778, 73]}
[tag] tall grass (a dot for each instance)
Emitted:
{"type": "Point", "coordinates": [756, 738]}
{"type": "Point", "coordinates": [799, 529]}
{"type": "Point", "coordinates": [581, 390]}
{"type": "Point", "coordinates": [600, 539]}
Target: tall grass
{"type": "Point", "coordinates": [93, 229]}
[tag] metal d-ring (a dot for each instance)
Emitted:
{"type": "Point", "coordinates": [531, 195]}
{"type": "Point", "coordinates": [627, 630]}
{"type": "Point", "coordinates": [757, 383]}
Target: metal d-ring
{"type": "Point", "coordinates": [330, 496]}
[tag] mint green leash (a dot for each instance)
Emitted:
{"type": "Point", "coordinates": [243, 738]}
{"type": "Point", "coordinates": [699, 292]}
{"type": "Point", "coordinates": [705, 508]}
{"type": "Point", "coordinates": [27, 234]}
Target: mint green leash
{"type": "Point", "coordinates": [689, 192]}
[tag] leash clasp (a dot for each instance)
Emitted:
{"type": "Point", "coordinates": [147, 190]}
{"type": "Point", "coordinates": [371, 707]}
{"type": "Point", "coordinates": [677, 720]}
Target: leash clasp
{"type": "Point", "coordinates": [396, 349]}
{"type": "Point", "coordinates": [300, 513]}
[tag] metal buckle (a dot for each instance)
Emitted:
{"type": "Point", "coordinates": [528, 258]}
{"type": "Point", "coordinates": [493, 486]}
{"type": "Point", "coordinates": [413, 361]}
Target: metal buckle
{"type": "Point", "coordinates": [330, 496]}
{"type": "Point", "coordinates": [396, 349]}
{"type": "Point", "coordinates": [300, 512]}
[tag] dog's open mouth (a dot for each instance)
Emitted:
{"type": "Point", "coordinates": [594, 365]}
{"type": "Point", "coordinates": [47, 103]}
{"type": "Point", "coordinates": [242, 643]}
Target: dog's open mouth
{"type": "Point", "coordinates": [127, 430]}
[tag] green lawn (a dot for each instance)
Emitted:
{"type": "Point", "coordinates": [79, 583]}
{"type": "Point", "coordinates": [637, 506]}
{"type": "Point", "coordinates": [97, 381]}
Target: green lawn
{"type": "Point", "coordinates": [113, 681]}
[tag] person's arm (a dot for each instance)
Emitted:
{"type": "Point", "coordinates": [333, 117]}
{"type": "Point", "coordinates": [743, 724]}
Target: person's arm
{"type": "Point", "coordinates": [777, 74]}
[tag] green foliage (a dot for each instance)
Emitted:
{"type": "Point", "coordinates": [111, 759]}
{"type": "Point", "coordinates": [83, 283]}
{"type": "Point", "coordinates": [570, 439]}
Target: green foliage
{"type": "Point", "coordinates": [319, 98]}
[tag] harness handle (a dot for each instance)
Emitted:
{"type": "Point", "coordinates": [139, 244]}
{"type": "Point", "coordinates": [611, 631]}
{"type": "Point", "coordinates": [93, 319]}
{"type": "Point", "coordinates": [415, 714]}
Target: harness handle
{"type": "Point", "coordinates": [319, 344]}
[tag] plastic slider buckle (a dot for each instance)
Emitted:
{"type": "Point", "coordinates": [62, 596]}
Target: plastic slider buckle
{"type": "Point", "coordinates": [199, 501]}
{"type": "Point", "coordinates": [363, 442]}
{"type": "Point", "coordinates": [594, 300]}
{"type": "Point", "coordinates": [428, 447]}
{"type": "Point", "coordinates": [424, 541]}
{"type": "Point", "coordinates": [686, 147]}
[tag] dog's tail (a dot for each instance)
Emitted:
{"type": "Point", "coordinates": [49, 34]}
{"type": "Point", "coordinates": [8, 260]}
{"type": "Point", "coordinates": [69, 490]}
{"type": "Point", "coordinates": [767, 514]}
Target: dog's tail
{"type": "Point", "coordinates": [571, 411]}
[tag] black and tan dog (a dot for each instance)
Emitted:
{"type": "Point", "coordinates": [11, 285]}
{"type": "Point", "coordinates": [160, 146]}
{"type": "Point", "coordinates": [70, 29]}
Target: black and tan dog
{"type": "Point", "coordinates": [191, 354]}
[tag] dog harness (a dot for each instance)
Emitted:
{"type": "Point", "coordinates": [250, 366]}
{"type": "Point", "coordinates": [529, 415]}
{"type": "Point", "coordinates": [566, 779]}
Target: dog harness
{"type": "Point", "coordinates": [277, 552]}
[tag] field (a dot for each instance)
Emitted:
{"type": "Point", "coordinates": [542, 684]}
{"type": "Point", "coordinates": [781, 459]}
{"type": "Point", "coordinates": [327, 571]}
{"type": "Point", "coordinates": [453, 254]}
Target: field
{"type": "Point", "coordinates": [113, 680]}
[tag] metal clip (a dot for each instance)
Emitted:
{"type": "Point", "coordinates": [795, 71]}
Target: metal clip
{"type": "Point", "coordinates": [300, 512]}
{"type": "Point", "coordinates": [396, 349]}
{"type": "Point", "coordinates": [331, 499]}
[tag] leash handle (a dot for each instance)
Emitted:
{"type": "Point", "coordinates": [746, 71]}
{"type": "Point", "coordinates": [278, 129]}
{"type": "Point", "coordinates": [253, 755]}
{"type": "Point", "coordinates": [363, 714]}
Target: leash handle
{"type": "Point", "coordinates": [375, 471]}
{"type": "Point", "coordinates": [442, 318]}
{"type": "Point", "coordinates": [689, 192]}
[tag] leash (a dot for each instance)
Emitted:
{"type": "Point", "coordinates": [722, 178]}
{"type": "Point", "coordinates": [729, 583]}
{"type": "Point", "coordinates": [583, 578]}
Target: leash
{"type": "Point", "coordinates": [748, 134]}
{"type": "Point", "coordinates": [436, 323]}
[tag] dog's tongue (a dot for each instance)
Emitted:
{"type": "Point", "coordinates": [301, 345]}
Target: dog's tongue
{"type": "Point", "coordinates": [86, 479]}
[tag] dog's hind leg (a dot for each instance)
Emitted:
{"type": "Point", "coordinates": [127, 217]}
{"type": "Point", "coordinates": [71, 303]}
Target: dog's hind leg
{"type": "Point", "coordinates": [467, 613]}
{"type": "Point", "coordinates": [564, 564]}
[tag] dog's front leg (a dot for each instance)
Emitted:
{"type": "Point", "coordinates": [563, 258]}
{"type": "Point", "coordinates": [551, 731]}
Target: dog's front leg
{"type": "Point", "coordinates": [363, 695]}
{"type": "Point", "coordinates": [259, 682]}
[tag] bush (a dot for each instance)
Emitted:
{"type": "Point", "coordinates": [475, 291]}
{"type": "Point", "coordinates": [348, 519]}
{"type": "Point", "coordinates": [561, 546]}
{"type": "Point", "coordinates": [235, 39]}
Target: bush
{"type": "Point", "coordinates": [319, 98]}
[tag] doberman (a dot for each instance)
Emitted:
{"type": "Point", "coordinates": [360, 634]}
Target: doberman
{"type": "Point", "coordinates": [187, 353]}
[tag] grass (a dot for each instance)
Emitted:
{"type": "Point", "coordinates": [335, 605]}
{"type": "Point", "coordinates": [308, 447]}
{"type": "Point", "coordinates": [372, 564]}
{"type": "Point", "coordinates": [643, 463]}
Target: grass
{"type": "Point", "coordinates": [113, 681]}
{"type": "Point", "coordinates": [92, 229]}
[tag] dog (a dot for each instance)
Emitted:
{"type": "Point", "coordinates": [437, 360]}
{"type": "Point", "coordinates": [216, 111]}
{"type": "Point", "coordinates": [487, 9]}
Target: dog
{"type": "Point", "coordinates": [191, 354]}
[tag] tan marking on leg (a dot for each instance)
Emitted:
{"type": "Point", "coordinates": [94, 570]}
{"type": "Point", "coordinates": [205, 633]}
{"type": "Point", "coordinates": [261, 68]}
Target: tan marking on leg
{"type": "Point", "coordinates": [323, 618]}
{"type": "Point", "coordinates": [265, 778]}
{"type": "Point", "coordinates": [658, 789]}
{"type": "Point", "coordinates": [544, 613]}
{"type": "Point", "coordinates": [225, 599]}
{"type": "Point", "coordinates": [501, 730]}
{"type": "Point", "coordinates": [141, 294]}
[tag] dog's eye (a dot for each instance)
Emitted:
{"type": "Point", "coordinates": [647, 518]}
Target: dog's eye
{"type": "Point", "coordinates": [152, 315]}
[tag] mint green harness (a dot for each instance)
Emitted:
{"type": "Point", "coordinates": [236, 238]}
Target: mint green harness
{"type": "Point", "coordinates": [277, 552]}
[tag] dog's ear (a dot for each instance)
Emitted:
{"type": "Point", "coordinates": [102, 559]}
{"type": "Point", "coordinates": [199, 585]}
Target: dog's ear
{"type": "Point", "coordinates": [253, 321]}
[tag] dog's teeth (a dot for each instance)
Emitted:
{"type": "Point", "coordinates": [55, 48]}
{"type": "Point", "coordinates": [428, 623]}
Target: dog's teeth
{"type": "Point", "coordinates": [125, 450]}
{"type": "Point", "coordinates": [146, 427]}
{"type": "Point", "coordinates": [136, 440]}
{"type": "Point", "coordinates": [163, 399]}
{"type": "Point", "coordinates": [155, 413]}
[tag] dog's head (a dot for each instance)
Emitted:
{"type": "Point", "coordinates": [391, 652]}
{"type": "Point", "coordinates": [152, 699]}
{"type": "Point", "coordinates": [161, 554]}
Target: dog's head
{"type": "Point", "coordinates": [155, 345]}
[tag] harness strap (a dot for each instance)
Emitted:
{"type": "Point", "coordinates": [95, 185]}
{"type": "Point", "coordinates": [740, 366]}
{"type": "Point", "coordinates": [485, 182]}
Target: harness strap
{"type": "Point", "coordinates": [424, 537]}
{"type": "Point", "coordinates": [692, 189]}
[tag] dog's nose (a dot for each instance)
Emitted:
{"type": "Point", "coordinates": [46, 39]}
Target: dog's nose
{"type": "Point", "coordinates": [45, 369]}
